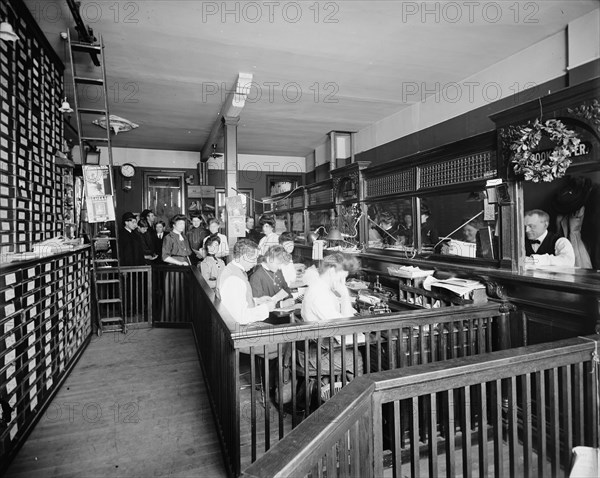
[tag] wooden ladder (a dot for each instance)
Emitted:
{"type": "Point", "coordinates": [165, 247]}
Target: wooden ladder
{"type": "Point", "coordinates": [102, 226]}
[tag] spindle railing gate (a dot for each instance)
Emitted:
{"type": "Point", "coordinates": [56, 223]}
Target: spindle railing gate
{"type": "Point", "coordinates": [534, 404]}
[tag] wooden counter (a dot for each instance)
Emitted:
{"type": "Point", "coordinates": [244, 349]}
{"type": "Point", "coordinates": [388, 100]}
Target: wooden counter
{"type": "Point", "coordinates": [556, 304]}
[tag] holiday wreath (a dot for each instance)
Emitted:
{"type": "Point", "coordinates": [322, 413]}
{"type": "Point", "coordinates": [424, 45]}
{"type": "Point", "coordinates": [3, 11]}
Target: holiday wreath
{"type": "Point", "coordinates": [542, 166]}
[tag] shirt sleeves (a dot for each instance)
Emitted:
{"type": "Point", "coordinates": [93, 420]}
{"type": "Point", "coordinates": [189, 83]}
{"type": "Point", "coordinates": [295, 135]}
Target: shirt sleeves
{"type": "Point", "coordinates": [233, 297]}
{"type": "Point", "coordinates": [224, 246]}
{"type": "Point", "coordinates": [564, 255]}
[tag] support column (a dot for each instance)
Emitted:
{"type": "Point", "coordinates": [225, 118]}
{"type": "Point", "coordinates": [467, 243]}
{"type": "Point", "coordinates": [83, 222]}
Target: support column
{"type": "Point", "coordinates": [231, 162]}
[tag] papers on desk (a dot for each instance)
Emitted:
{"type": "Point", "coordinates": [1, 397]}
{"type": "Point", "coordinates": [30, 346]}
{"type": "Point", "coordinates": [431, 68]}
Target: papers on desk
{"type": "Point", "coordinates": [461, 287]}
{"type": "Point", "coordinates": [291, 308]}
{"type": "Point", "coordinates": [462, 248]}
{"type": "Point", "coordinates": [409, 272]}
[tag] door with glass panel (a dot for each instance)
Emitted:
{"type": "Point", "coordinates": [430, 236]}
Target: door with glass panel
{"type": "Point", "coordinates": [164, 194]}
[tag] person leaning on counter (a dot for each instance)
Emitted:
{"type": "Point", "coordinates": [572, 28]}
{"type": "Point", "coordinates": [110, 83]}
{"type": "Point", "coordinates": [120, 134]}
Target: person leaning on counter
{"type": "Point", "coordinates": [543, 248]}
{"type": "Point", "coordinates": [267, 280]}
{"type": "Point", "coordinates": [328, 298]}
{"type": "Point", "coordinates": [233, 288]}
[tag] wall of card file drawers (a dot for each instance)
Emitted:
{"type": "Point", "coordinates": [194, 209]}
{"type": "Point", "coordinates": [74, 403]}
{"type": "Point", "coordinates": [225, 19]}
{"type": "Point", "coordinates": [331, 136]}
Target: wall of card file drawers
{"type": "Point", "coordinates": [45, 321]}
{"type": "Point", "coordinates": [31, 88]}
{"type": "Point", "coordinates": [45, 312]}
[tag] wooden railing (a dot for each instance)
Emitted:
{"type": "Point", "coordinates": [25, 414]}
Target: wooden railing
{"type": "Point", "coordinates": [521, 412]}
{"type": "Point", "coordinates": [240, 385]}
{"type": "Point", "coordinates": [172, 294]}
{"type": "Point", "coordinates": [138, 295]}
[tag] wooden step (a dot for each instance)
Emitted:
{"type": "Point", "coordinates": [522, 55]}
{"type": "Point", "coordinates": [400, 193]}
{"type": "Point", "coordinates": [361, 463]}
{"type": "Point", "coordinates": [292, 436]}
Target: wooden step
{"type": "Point", "coordinates": [107, 281]}
{"type": "Point", "coordinates": [91, 139]}
{"type": "Point", "coordinates": [86, 47]}
{"type": "Point", "coordinates": [109, 320]}
{"type": "Point", "coordinates": [109, 301]}
{"type": "Point", "coordinates": [105, 260]}
{"type": "Point", "coordinates": [81, 80]}
{"type": "Point", "coordinates": [92, 111]}
{"type": "Point", "coordinates": [112, 328]}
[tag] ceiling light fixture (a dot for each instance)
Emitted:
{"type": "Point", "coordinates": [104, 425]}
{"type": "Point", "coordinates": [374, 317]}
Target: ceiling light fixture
{"type": "Point", "coordinates": [117, 124]}
{"type": "Point", "coordinates": [7, 32]}
{"type": "Point", "coordinates": [65, 107]}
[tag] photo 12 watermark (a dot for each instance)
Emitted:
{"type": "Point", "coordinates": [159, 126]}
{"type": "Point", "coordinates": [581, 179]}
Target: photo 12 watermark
{"type": "Point", "coordinates": [92, 412]}
{"type": "Point", "coordinates": [475, 92]}
{"type": "Point", "coordinates": [470, 12]}
{"type": "Point", "coordinates": [55, 11]}
{"type": "Point", "coordinates": [274, 92]}
{"type": "Point", "coordinates": [270, 12]}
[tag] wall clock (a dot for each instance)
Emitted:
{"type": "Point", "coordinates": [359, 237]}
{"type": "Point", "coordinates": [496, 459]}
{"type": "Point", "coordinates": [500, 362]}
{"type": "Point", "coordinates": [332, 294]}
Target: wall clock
{"type": "Point", "coordinates": [127, 170]}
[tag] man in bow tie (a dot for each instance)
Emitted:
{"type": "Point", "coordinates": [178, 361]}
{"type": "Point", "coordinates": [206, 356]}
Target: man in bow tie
{"type": "Point", "coordinates": [543, 248]}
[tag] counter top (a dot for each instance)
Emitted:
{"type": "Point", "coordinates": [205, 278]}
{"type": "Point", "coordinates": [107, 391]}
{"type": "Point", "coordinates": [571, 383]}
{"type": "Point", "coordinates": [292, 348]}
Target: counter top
{"type": "Point", "coordinates": [6, 266]}
{"type": "Point", "coordinates": [585, 281]}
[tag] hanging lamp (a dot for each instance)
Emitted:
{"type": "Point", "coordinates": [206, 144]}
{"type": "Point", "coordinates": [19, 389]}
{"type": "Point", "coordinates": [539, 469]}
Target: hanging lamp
{"type": "Point", "coordinates": [7, 32]}
{"type": "Point", "coordinates": [65, 107]}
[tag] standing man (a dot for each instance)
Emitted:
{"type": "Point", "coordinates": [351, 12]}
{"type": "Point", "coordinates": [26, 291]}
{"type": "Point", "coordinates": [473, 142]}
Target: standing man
{"type": "Point", "coordinates": [252, 233]}
{"type": "Point", "coordinates": [131, 248]}
{"type": "Point", "coordinates": [543, 248]}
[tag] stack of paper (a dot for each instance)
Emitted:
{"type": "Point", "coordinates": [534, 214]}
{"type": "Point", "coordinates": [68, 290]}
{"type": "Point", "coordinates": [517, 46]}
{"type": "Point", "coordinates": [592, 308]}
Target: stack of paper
{"type": "Point", "coordinates": [409, 272]}
{"type": "Point", "coordinates": [461, 287]}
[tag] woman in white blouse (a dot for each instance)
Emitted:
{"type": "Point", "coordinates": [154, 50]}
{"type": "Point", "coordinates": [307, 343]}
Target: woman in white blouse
{"type": "Point", "coordinates": [271, 239]}
{"type": "Point", "coordinates": [328, 298]}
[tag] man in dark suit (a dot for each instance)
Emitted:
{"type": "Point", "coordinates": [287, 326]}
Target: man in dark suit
{"type": "Point", "coordinates": [131, 249]}
{"type": "Point", "coordinates": [157, 238]}
{"type": "Point", "coordinates": [543, 248]}
{"type": "Point", "coordinates": [252, 233]}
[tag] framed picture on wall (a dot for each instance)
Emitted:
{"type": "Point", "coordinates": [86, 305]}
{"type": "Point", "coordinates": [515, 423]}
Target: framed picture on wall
{"type": "Point", "coordinates": [282, 184]}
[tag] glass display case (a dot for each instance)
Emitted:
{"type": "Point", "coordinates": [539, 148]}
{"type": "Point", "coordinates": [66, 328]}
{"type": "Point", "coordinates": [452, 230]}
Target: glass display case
{"type": "Point", "coordinates": [320, 212]}
{"type": "Point", "coordinates": [348, 191]}
{"type": "Point", "coordinates": [288, 210]}
{"type": "Point", "coordinates": [441, 203]}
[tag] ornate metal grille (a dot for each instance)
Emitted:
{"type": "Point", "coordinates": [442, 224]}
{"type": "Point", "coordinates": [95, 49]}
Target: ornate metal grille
{"type": "Point", "coordinates": [459, 170]}
{"type": "Point", "coordinates": [397, 182]}
{"type": "Point", "coordinates": [323, 196]}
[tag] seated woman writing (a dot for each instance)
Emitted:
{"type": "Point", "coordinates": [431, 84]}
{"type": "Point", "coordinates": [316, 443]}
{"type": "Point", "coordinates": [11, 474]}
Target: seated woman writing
{"type": "Point", "coordinates": [328, 298]}
{"type": "Point", "coordinates": [267, 279]}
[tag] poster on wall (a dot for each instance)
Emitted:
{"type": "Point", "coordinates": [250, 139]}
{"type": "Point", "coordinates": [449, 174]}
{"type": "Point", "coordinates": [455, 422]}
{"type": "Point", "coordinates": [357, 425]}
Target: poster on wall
{"type": "Point", "coordinates": [236, 215]}
{"type": "Point", "coordinates": [98, 197]}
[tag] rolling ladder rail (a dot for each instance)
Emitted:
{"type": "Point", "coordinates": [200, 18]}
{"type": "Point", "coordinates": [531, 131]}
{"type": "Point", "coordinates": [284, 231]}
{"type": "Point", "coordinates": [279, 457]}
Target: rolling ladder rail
{"type": "Point", "coordinates": [107, 277]}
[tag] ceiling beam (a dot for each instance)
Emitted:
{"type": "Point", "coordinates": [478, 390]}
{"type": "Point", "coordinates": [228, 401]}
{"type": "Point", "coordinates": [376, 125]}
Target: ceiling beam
{"type": "Point", "coordinates": [232, 107]}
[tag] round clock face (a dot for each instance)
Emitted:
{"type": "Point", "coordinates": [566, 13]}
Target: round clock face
{"type": "Point", "coordinates": [127, 170]}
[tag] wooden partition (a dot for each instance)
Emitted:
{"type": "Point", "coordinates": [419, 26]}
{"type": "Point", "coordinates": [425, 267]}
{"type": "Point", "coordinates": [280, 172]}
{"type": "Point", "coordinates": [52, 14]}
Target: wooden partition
{"type": "Point", "coordinates": [137, 293]}
{"type": "Point", "coordinates": [172, 295]}
{"type": "Point", "coordinates": [242, 384]}
{"type": "Point", "coordinates": [534, 404]}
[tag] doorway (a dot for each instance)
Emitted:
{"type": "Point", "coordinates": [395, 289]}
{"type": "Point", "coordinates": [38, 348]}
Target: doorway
{"type": "Point", "coordinates": [164, 194]}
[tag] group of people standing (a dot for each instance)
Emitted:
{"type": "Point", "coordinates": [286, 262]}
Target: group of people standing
{"type": "Point", "coordinates": [147, 241]}
{"type": "Point", "coordinates": [140, 240]}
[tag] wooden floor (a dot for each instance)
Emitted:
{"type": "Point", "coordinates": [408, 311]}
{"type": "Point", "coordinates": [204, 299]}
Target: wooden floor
{"type": "Point", "coordinates": [135, 405]}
